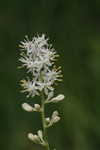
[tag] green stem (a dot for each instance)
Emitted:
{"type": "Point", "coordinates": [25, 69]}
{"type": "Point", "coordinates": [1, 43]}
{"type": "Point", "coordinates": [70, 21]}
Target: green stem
{"type": "Point", "coordinates": [47, 147]}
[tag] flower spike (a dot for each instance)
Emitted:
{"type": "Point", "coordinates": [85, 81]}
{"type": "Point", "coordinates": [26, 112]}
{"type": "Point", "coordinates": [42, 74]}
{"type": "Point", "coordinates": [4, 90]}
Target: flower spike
{"type": "Point", "coordinates": [38, 57]}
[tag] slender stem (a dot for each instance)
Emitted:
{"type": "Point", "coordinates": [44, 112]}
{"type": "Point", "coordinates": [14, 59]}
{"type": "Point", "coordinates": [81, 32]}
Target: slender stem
{"type": "Point", "coordinates": [43, 122]}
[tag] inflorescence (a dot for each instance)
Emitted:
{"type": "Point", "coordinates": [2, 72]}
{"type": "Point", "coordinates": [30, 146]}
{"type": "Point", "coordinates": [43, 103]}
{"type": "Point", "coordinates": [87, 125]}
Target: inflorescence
{"type": "Point", "coordinates": [38, 57]}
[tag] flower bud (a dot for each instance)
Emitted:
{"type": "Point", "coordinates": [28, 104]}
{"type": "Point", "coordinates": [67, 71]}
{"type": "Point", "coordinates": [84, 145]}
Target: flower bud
{"type": "Point", "coordinates": [34, 138]}
{"type": "Point", "coordinates": [40, 135]}
{"type": "Point", "coordinates": [37, 107]}
{"type": "Point", "coordinates": [55, 113]}
{"type": "Point", "coordinates": [58, 98]}
{"type": "Point", "coordinates": [47, 120]}
{"type": "Point", "coordinates": [27, 107]}
{"type": "Point", "coordinates": [56, 119]}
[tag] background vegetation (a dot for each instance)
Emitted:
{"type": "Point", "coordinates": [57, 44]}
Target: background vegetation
{"type": "Point", "coordinates": [74, 29]}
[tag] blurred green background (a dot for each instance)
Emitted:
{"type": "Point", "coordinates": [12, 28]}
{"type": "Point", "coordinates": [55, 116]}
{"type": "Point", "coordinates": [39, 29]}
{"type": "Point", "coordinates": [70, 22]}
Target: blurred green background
{"type": "Point", "coordinates": [74, 29]}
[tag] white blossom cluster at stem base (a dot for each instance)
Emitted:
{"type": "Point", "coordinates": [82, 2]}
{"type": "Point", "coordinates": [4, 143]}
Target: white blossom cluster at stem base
{"type": "Point", "coordinates": [39, 59]}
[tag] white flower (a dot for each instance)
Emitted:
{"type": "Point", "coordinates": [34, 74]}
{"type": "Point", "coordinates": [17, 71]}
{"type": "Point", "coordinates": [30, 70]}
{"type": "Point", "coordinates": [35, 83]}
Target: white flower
{"type": "Point", "coordinates": [29, 87]}
{"type": "Point", "coordinates": [38, 57]}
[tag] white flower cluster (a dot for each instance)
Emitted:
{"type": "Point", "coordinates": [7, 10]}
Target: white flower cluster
{"type": "Point", "coordinates": [54, 119]}
{"type": "Point", "coordinates": [37, 138]}
{"type": "Point", "coordinates": [38, 57]}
